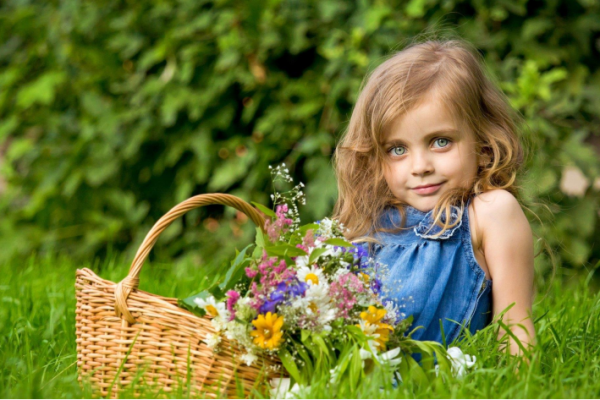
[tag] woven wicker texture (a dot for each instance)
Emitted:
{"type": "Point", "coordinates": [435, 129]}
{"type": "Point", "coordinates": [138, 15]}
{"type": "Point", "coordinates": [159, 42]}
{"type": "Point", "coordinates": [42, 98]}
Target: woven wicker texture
{"type": "Point", "coordinates": [125, 334]}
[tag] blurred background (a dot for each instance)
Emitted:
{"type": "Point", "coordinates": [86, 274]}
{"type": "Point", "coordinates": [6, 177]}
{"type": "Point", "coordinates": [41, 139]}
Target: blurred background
{"type": "Point", "coordinates": [113, 112]}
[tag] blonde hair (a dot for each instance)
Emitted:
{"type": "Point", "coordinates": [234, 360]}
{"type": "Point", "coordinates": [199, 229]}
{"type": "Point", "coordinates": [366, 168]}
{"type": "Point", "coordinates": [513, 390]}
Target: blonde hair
{"type": "Point", "coordinates": [455, 73]}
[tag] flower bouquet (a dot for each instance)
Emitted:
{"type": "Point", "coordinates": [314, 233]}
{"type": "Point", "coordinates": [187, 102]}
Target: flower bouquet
{"type": "Point", "coordinates": [305, 295]}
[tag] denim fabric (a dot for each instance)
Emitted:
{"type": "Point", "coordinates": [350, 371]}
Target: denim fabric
{"type": "Point", "coordinates": [433, 279]}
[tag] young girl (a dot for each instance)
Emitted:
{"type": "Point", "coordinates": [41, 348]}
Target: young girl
{"type": "Point", "coordinates": [426, 174]}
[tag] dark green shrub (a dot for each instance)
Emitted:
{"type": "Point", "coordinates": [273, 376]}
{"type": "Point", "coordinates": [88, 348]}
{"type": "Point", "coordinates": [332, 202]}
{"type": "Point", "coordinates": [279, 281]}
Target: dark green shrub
{"type": "Point", "coordinates": [111, 113]}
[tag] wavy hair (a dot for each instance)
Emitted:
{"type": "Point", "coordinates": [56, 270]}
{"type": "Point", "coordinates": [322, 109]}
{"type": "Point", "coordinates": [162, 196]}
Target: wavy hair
{"type": "Point", "coordinates": [455, 73]}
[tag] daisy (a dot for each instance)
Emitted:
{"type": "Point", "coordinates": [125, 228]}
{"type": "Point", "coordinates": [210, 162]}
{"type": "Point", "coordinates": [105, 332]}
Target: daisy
{"type": "Point", "coordinates": [301, 261]}
{"type": "Point", "coordinates": [213, 308]}
{"type": "Point", "coordinates": [312, 275]}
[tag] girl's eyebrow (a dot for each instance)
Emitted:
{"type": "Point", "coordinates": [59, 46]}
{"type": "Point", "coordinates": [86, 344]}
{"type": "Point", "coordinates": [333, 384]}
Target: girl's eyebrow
{"type": "Point", "coordinates": [427, 137]}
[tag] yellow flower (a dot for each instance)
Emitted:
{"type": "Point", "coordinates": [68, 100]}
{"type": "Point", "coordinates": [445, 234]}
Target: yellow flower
{"type": "Point", "coordinates": [373, 324]}
{"type": "Point", "coordinates": [373, 315]}
{"type": "Point", "coordinates": [384, 334]}
{"type": "Point", "coordinates": [212, 310]}
{"type": "Point", "coordinates": [364, 277]}
{"type": "Point", "coordinates": [268, 334]}
{"type": "Point", "coordinates": [312, 277]}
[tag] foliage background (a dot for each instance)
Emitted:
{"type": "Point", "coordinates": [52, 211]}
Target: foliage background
{"type": "Point", "coordinates": [113, 112]}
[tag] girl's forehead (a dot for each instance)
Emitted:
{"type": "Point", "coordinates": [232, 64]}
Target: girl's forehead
{"type": "Point", "coordinates": [421, 120]}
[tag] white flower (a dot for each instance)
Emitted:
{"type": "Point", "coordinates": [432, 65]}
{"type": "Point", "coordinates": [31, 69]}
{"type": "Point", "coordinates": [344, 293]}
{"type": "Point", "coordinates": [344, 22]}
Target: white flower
{"type": "Point", "coordinates": [316, 305]}
{"type": "Point", "coordinates": [280, 389]}
{"type": "Point", "coordinates": [301, 262]}
{"type": "Point", "coordinates": [460, 362]}
{"type": "Point", "coordinates": [319, 293]}
{"type": "Point", "coordinates": [212, 340]}
{"type": "Point", "coordinates": [392, 312]}
{"type": "Point", "coordinates": [338, 274]}
{"type": "Point", "coordinates": [389, 357]}
{"type": "Point", "coordinates": [332, 251]}
{"type": "Point", "coordinates": [216, 310]}
{"type": "Point", "coordinates": [239, 332]}
{"type": "Point", "coordinates": [368, 329]}
{"type": "Point", "coordinates": [249, 358]}
{"type": "Point", "coordinates": [325, 228]}
{"type": "Point", "coordinates": [244, 311]}
{"type": "Point", "coordinates": [312, 275]}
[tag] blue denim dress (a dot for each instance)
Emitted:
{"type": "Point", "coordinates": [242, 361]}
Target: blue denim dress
{"type": "Point", "coordinates": [433, 279]}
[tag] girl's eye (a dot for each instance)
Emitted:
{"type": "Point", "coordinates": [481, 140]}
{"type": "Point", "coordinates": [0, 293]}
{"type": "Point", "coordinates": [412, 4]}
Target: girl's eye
{"type": "Point", "coordinates": [442, 142]}
{"type": "Point", "coordinates": [398, 151]}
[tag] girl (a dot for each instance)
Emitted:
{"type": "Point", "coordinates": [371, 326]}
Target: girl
{"type": "Point", "coordinates": [427, 177]}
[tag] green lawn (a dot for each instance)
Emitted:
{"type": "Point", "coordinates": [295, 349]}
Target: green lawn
{"type": "Point", "coordinates": [37, 341]}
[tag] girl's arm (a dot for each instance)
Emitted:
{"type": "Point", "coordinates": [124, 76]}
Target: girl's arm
{"type": "Point", "coordinates": [507, 244]}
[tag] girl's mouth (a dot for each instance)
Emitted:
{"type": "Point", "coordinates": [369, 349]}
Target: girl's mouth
{"type": "Point", "coordinates": [427, 189]}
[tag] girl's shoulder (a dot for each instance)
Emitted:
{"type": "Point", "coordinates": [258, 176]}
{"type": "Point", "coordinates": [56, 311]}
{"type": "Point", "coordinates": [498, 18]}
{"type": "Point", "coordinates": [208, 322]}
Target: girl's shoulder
{"type": "Point", "coordinates": [495, 215]}
{"type": "Point", "coordinates": [490, 207]}
{"type": "Point", "coordinates": [498, 203]}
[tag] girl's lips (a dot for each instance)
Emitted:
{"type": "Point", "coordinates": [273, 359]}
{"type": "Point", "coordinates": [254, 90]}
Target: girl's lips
{"type": "Point", "coordinates": [428, 189]}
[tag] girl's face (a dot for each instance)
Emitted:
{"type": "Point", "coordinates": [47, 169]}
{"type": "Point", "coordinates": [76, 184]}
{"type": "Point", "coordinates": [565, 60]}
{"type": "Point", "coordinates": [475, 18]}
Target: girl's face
{"type": "Point", "coordinates": [427, 155]}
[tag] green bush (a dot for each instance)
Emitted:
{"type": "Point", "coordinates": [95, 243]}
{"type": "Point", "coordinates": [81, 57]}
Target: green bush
{"type": "Point", "coordinates": [111, 113]}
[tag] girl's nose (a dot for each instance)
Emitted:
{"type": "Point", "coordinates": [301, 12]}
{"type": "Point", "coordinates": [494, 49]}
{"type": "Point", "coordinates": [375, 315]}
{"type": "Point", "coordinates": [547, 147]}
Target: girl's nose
{"type": "Point", "coordinates": [421, 164]}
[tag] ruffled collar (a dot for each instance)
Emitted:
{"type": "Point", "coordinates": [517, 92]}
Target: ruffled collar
{"type": "Point", "coordinates": [422, 222]}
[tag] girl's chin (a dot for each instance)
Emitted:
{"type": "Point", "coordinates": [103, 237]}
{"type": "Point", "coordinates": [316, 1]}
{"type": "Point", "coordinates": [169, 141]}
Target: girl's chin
{"type": "Point", "coordinates": [424, 204]}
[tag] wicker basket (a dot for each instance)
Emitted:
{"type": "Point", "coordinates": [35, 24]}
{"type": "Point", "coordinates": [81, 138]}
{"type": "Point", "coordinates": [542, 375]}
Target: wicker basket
{"type": "Point", "coordinates": [126, 335]}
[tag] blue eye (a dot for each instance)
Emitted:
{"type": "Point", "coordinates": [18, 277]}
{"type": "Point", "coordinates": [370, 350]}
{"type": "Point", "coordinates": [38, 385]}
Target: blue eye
{"type": "Point", "coordinates": [442, 142]}
{"type": "Point", "coordinates": [394, 152]}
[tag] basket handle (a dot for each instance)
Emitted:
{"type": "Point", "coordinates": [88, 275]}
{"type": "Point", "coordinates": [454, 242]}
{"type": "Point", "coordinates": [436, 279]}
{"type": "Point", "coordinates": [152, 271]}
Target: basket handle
{"type": "Point", "coordinates": [131, 281]}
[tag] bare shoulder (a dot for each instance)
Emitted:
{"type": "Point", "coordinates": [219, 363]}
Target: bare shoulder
{"type": "Point", "coordinates": [490, 211]}
{"type": "Point", "coordinates": [497, 204]}
{"type": "Point", "coordinates": [502, 225]}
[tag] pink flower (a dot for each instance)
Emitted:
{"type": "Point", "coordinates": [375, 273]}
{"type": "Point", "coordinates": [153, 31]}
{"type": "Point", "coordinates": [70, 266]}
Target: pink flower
{"type": "Point", "coordinates": [309, 239]}
{"type": "Point", "coordinates": [251, 273]}
{"type": "Point", "coordinates": [280, 225]}
{"type": "Point", "coordinates": [352, 282]}
{"type": "Point", "coordinates": [303, 247]}
{"type": "Point", "coordinates": [343, 292]}
{"type": "Point", "coordinates": [232, 298]}
{"type": "Point", "coordinates": [343, 297]}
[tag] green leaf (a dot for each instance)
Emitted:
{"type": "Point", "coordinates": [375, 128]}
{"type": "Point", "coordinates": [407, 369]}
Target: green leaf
{"type": "Point", "coordinates": [41, 90]}
{"type": "Point", "coordinates": [288, 363]}
{"type": "Point", "coordinates": [415, 372]}
{"type": "Point", "coordinates": [307, 341]}
{"type": "Point", "coordinates": [308, 365]}
{"type": "Point", "coordinates": [355, 368]}
{"type": "Point", "coordinates": [267, 211]}
{"type": "Point", "coordinates": [318, 340]}
{"type": "Point", "coordinates": [236, 270]}
{"type": "Point", "coordinates": [285, 250]}
{"type": "Point", "coordinates": [8, 126]}
{"type": "Point", "coordinates": [305, 228]}
{"type": "Point", "coordinates": [315, 254]}
{"type": "Point", "coordinates": [338, 242]}
{"type": "Point", "coordinates": [260, 238]}
{"type": "Point", "coordinates": [189, 304]}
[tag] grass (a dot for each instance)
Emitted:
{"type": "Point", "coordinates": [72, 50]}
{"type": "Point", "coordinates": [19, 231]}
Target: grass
{"type": "Point", "coordinates": [38, 358]}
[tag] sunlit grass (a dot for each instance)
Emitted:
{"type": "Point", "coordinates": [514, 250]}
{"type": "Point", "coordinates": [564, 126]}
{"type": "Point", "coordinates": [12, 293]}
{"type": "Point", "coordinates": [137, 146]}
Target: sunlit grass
{"type": "Point", "coordinates": [38, 358]}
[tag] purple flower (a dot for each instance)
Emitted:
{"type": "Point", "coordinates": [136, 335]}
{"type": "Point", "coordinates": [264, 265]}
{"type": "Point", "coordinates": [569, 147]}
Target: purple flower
{"type": "Point", "coordinates": [376, 286]}
{"type": "Point", "coordinates": [283, 291]}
